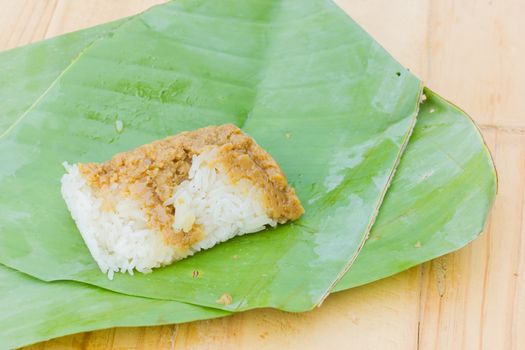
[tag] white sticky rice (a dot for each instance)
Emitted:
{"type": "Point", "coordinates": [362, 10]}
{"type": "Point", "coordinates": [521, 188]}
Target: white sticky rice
{"type": "Point", "coordinates": [208, 198]}
{"type": "Point", "coordinates": [121, 240]}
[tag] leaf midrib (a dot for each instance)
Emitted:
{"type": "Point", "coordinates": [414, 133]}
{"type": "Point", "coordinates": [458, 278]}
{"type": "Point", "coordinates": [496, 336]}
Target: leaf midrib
{"type": "Point", "coordinates": [22, 116]}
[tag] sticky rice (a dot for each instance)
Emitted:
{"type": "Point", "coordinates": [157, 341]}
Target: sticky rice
{"type": "Point", "coordinates": [167, 200]}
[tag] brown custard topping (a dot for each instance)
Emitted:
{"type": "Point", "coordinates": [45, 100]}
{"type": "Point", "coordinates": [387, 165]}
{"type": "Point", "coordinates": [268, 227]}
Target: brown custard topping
{"type": "Point", "coordinates": [150, 173]}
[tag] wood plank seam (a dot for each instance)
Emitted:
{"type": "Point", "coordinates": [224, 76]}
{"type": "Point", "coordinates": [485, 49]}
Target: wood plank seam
{"type": "Point", "coordinates": [515, 290]}
{"type": "Point", "coordinates": [174, 333]}
{"type": "Point", "coordinates": [421, 269]}
{"type": "Point", "coordinates": [503, 128]}
{"type": "Point", "coordinates": [520, 267]}
{"type": "Point", "coordinates": [20, 17]}
{"type": "Point", "coordinates": [428, 41]}
{"type": "Point", "coordinates": [51, 18]}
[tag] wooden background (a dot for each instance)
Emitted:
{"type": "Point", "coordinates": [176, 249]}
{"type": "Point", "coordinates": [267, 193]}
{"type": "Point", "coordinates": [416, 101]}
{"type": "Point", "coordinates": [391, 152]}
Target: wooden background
{"type": "Point", "coordinates": [470, 51]}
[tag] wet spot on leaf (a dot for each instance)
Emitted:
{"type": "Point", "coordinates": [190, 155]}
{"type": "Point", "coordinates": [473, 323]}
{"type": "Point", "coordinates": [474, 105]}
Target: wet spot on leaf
{"type": "Point", "coordinates": [119, 126]}
{"type": "Point", "coordinates": [176, 88]}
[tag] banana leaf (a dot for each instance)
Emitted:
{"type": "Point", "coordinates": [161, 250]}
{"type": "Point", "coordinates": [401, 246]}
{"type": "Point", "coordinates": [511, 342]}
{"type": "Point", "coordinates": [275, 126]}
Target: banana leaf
{"type": "Point", "coordinates": [32, 68]}
{"type": "Point", "coordinates": [313, 88]}
{"type": "Point", "coordinates": [439, 199]}
{"type": "Point", "coordinates": [35, 310]}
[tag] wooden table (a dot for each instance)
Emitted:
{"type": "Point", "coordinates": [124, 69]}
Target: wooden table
{"type": "Point", "coordinates": [471, 52]}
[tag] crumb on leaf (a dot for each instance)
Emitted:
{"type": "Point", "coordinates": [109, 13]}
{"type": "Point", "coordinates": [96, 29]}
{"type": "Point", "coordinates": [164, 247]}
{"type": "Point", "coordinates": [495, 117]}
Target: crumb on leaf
{"type": "Point", "coordinates": [225, 299]}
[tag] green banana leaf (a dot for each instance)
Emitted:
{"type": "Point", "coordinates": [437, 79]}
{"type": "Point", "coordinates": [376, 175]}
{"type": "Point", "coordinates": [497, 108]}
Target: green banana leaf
{"type": "Point", "coordinates": [439, 124]}
{"type": "Point", "coordinates": [315, 90]}
{"type": "Point", "coordinates": [34, 67]}
{"type": "Point", "coordinates": [439, 199]}
{"type": "Point", "coordinates": [35, 310]}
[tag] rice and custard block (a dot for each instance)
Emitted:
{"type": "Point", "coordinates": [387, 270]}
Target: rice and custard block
{"type": "Point", "coordinates": [166, 200]}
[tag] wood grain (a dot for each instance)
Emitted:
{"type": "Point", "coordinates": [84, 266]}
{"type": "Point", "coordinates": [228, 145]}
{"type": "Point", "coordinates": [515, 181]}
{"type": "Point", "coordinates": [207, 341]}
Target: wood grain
{"type": "Point", "coordinates": [469, 51]}
{"type": "Point", "coordinates": [476, 52]}
{"type": "Point", "coordinates": [24, 21]}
